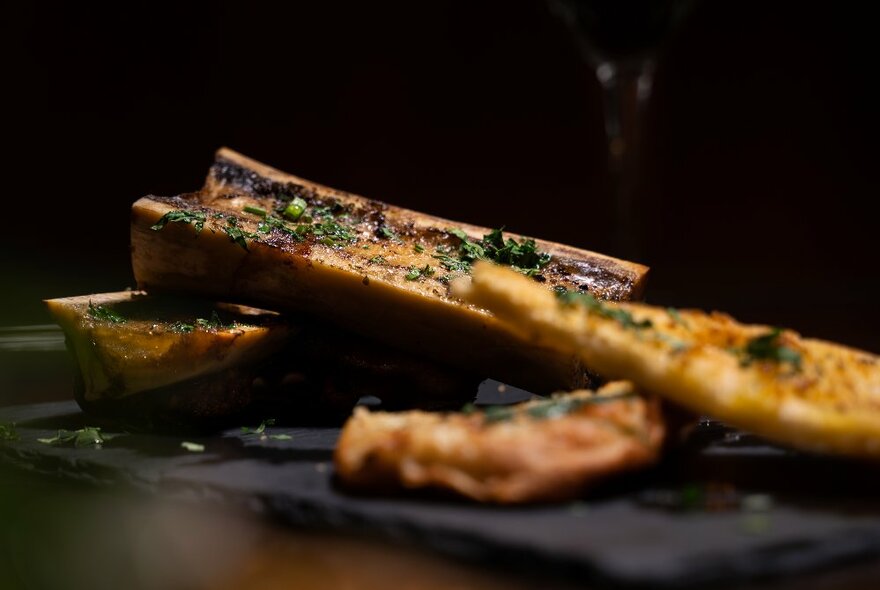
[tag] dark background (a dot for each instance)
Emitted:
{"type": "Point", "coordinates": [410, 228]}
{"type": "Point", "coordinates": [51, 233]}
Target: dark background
{"type": "Point", "coordinates": [758, 179]}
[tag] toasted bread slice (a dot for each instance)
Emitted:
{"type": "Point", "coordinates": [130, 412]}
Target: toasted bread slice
{"type": "Point", "coordinates": [541, 450]}
{"type": "Point", "coordinates": [809, 394]}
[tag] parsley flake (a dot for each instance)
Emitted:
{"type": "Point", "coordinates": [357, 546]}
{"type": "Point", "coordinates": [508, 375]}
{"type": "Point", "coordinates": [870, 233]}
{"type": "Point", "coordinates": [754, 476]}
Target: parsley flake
{"type": "Point", "coordinates": [8, 432]}
{"type": "Point", "coordinates": [387, 233]}
{"type": "Point", "coordinates": [105, 314]}
{"type": "Point", "coordinates": [260, 431]}
{"type": "Point", "coordinates": [415, 273]}
{"type": "Point", "coordinates": [767, 347]}
{"type": "Point", "coordinates": [196, 218]}
{"type": "Point", "coordinates": [522, 256]}
{"type": "Point", "coordinates": [237, 234]}
{"type": "Point", "coordinates": [593, 305]}
{"type": "Point", "coordinates": [90, 435]}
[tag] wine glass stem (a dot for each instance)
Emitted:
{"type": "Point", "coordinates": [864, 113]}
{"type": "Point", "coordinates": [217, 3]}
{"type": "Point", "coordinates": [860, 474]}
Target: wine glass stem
{"type": "Point", "coordinates": [625, 92]}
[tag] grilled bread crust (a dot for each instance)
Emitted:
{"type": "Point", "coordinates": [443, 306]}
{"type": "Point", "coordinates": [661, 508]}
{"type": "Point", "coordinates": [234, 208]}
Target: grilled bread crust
{"type": "Point", "coordinates": [818, 396]}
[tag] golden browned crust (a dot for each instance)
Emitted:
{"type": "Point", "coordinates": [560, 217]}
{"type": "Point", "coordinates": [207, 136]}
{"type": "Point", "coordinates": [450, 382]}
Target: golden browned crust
{"type": "Point", "coordinates": [814, 395]}
{"type": "Point", "coordinates": [524, 456]}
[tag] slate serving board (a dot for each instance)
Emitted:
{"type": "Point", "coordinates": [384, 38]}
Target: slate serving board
{"type": "Point", "coordinates": [681, 525]}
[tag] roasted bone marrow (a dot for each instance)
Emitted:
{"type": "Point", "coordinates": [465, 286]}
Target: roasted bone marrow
{"type": "Point", "coordinates": [153, 362]}
{"type": "Point", "coordinates": [261, 237]}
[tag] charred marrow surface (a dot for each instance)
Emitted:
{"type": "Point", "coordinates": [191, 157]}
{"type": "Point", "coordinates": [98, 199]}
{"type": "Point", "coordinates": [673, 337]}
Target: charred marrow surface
{"type": "Point", "coordinates": [263, 237]}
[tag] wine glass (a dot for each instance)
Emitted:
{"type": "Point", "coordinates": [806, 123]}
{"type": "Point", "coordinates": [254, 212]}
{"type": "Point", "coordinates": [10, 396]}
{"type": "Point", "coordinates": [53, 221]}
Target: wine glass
{"type": "Point", "coordinates": [620, 40]}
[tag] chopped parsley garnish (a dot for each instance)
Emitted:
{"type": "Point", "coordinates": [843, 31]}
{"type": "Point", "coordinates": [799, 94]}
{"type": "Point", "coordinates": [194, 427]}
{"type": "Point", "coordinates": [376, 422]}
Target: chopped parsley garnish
{"type": "Point", "coordinates": [321, 212]}
{"type": "Point", "coordinates": [255, 211]}
{"type": "Point", "coordinates": [211, 324]}
{"type": "Point", "coordinates": [415, 273]}
{"type": "Point", "coordinates": [260, 431]}
{"type": "Point", "coordinates": [271, 222]}
{"type": "Point", "coordinates": [458, 233]}
{"type": "Point", "coordinates": [522, 256]}
{"type": "Point", "coordinates": [327, 231]}
{"type": "Point", "coordinates": [387, 233]}
{"type": "Point", "coordinates": [105, 314]}
{"type": "Point", "coordinates": [294, 210]}
{"type": "Point", "coordinates": [236, 234]}
{"type": "Point", "coordinates": [181, 327]}
{"type": "Point", "coordinates": [767, 347]}
{"type": "Point", "coordinates": [90, 435]}
{"type": "Point", "coordinates": [450, 263]}
{"type": "Point", "coordinates": [377, 260]}
{"type": "Point", "coordinates": [418, 248]}
{"type": "Point", "coordinates": [193, 217]}
{"type": "Point", "coordinates": [593, 305]}
{"type": "Point", "coordinates": [331, 233]}
{"type": "Point", "coordinates": [8, 432]}
{"type": "Point", "coordinates": [192, 447]}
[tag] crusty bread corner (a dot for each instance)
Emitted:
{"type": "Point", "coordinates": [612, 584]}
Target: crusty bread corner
{"type": "Point", "coordinates": [827, 401]}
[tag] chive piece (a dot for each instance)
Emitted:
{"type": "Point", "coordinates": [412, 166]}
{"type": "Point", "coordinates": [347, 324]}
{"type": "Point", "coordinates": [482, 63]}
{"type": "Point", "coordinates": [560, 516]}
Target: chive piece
{"type": "Point", "coordinates": [419, 248]}
{"type": "Point", "coordinates": [413, 274]}
{"type": "Point", "coordinates": [255, 211]}
{"type": "Point", "coordinates": [192, 447]}
{"type": "Point", "coordinates": [295, 208]}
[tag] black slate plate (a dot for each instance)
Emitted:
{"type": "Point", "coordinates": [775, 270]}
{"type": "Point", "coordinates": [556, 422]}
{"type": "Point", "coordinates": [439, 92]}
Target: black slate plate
{"type": "Point", "coordinates": [681, 525]}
